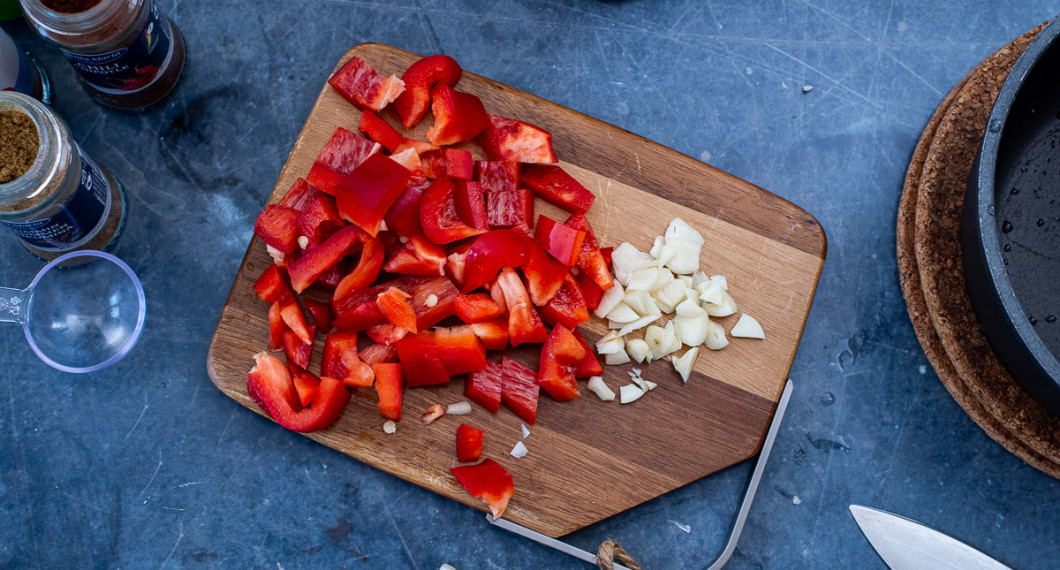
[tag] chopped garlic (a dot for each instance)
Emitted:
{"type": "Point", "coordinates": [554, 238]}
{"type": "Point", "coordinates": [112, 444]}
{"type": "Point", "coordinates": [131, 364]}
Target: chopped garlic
{"type": "Point", "coordinates": [637, 324]}
{"type": "Point", "coordinates": [597, 386]}
{"type": "Point", "coordinates": [610, 343]}
{"type": "Point", "coordinates": [686, 245]}
{"type": "Point", "coordinates": [448, 567]}
{"type": "Point", "coordinates": [642, 303]}
{"type": "Point", "coordinates": [747, 327]}
{"type": "Point", "coordinates": [649, 385]}
{"type": "Point", "coordinates": [625, 259]}
{"type": "Point", "coordinates": [699, 277]}
{"type": "Point", "coordinates": [611, 298]}
{"type": "Point", "coordinates": [656, 246]}
{"type": "Point", "coordinates": [723, 309]}
{"type": "Point", "coordinates": [689, 308]}
{"type": "Point", "coordinates": [661, 341]}
{"type": "Point", "coordinates": [665, 277]}
{"type": "Point", "coordinates": [389, 426]}
{"type": "Point", "coordinates": [616, 358]}
{"type": "Point", "coordinates": [519, 450]}
{"type": "Point", "coordinates": [720, 280]}
{"type": "Point", "coordinates": [683, 364]}
{"type": "Point", "coordinates": [711, 292]}
{"type": "Point", "coordinates": [669, 296]}
{"type": "Point", "coordinates": [716, 339]}
{"type": "Point", "coordinates": [692, 331]}
{"type": "Point", "coordinates": [432, 300]}
{"type": "Point", "coordinates": [643, 279]}
{"type": "Point", "coordinates": [622, 313]}
{"type": "Point", "coordinates": [629, 393]}
{"type": "Point", "coordinates": [638, 350]}
{"type": "Point", "coordinates": [526, 431]}
{"type": "Point", "coordinates": [462, 408]}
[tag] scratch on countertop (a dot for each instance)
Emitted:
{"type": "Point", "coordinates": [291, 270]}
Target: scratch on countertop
{"type": "Point", "coordinates": [180, 536]}
{"type": "Point", "coordinates": [400, 535]}
{"type": "Point", "coordinates": [142, 412]}
{"type": "Point", "coordinates": [149, 481]}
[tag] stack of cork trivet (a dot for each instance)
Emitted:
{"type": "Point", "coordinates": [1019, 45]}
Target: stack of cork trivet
{"type": "Point", "coordinates": [932, 275]}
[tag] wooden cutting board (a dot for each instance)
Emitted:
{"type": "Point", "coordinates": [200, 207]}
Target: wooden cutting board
{"type": "Point", "coordinates": [588, 459]}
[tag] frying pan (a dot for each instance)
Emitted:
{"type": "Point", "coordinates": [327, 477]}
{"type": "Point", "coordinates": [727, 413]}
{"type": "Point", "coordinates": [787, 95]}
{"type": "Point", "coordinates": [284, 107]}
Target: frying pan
{"type": "Point", "coordinates": [1010, 230]}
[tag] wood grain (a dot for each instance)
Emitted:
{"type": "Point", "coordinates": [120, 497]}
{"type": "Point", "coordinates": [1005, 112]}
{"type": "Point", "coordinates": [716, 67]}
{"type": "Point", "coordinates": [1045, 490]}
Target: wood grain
{"type": "Point", "coordinates": [588, 460]}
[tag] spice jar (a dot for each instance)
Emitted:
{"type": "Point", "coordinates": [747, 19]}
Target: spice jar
{"type": "Point", "coordinates": [18, 72]}
{"type": "Point", "coordinates": [129, 54]}
{"type": "Point", "coordinates": [52, 195]}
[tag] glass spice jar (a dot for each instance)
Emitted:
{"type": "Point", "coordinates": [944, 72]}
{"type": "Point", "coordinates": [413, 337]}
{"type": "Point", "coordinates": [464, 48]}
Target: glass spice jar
{"type": "Point", "coordinates": [129, 54]}
{"type": "Point", "coordinates": [19, 72]}
{"type": "Point", "coordinates": [62, 200]}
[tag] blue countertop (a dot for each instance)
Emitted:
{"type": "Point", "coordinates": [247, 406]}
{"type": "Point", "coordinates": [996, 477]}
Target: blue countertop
{"type": "Point", "coordinates": [148, 465]}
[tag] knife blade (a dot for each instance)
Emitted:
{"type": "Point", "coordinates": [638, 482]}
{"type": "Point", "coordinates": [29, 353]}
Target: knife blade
{"type": "Point", "coordinates": [905, 544]}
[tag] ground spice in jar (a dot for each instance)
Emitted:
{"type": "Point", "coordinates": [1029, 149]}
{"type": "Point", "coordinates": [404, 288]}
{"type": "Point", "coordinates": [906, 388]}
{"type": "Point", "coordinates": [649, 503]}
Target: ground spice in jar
{"type": "Point", "coordinates": [19, 143]}
{"type": "Point", "coordinates": [70, 6]}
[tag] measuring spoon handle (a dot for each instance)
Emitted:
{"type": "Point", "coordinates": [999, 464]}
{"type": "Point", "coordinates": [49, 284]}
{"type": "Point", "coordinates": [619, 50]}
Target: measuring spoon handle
{"type": "Point", "coordinates": [13, 305]}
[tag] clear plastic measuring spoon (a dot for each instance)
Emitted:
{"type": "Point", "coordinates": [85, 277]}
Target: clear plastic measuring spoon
{"type": "Point", "coordinates": [84, 311]}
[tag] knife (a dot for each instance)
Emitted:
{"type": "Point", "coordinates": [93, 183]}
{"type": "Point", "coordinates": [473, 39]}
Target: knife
{"type": "Point", "coordinates": [905, 544]}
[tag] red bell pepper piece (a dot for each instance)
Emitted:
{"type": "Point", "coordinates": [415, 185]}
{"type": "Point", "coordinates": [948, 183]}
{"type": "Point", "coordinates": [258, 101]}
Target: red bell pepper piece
{"type": "Point", "coordinates": [394, 304]}
{"type": "Point", "coordinates": [567, 306]}
{"type": "Point", "coordinates": [590, 365]}
{"type": "Point", "coordinates": [544, 274]}
{"type": "Point", "coordinates": [468, 443]}
{"type": "Point", "coordinates": [271, 286]}
{"type": "Point", "coordinates": [524, 324]}
{"type": "Point", "coordinates": [342, 362]}
{"type": "Point", "coordinates": [419, 79]}
{"type": "Point", "coordinates": [606, 252]}
{"type": "Point", "coordinates": [456, 264]}
{"type": "Point", "coordinates": [560, 358]}
{"type": "Point", "coordinates": [513, 210]}
{"type": "Point", "coordinates": [493, 334]}
{"type": "Point", "coordinates": [365, 195]}
{"type": "Point", "coordinates": [293, 317]}
{"type": "Point", "coordinates": [322, 314]}
{"type": "Point", "coordinates": [377, 353]}
{"type": "Point", "coordinates": [591, 259]}
{"type": "Point", "coordinates": [563, 242]}
{"type": "Point", "coordinates": [380, 131]}
{"type": "Point", "coordinates": [433, 356]}
{"type": "Point", "coordinates": [552, 183]}
{"type": "Point", "coordinates": [358, 310]}
{"type": "Point", "coordinates": [455, 163]}
{"type": "Point", "coordinates": [276, 327]}
{"type": "Point", "coordinates": [297, 351]}
{"type": "Point", "coordinates": [508, 139]}
{"type": "Point", "coordinates": [306, 384]}
{"type": "Point", "coordinates": [491, 252]}
{"type": "Point", "coordinates": [497, 175]}
{"type": "Point", "coordinates": [590, 290]}
{"type": "Point", "coordinates": [418, 256]}
{"type": "Point", "coordinates": [368, 266]}
{"type": "Point", "coordinates": [484, 386]}
{"type": "Point", "coordinates": [388, 387]}
{"type": "Point", "coordinates": [421, 147]}
{"type": "Point", "coordinates": [470, 205]}
{"type": "Point", "coordinates": [270, 385]}
{"type": "Point", "coordinates": [331, 277]}
{"type": "Point", "coordinates": [476, 308]}
{"type": "Point", "coordinates": [410, 159]}
{"type": "Point", "coordinates": [458, 116]}
{"type": "Point", "coordinates": [519, 390]}
{"type": "Point", "coordinates": [319, 220]}
{"type": "Point", "coordinates": [439, 216]}
{"type": "Point", "coordinates": [344, 152]}
{"type": "Point", "coordinates": [316, 261]}
{"type": "Point", "coordinates": [363, 86]}
{"type": "Point", "coordinates": [299, 194]}
{"type": "Point", "coordinates": [403, 216]}
{"type": "Point", "coordinates": [277, 226]}
{"type": "Point", "coordinates": [489, 482]}
{"type": "Point", "coordinates": [386, 334]}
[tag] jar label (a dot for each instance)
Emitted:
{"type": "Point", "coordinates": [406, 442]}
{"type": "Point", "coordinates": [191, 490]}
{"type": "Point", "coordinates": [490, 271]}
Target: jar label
{"type": "Point", "coordinates": [74, 222]}
{"type": "Point", "coordinates": [132, 67]}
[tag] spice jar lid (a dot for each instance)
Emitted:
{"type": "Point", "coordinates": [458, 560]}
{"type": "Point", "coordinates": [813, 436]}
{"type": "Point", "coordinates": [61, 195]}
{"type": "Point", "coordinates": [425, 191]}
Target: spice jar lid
{"type": "Point", "coordinates": [26, 191]}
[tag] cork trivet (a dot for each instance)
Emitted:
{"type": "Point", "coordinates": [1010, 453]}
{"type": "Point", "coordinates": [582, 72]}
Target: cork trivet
{"type": "Point", "coordinates": [932, 277]}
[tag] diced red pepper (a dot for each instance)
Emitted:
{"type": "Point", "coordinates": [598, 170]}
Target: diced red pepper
{"type": "Point", "coordinates": [331, 277]}
{"type": "Point", "coordinates": [544, 274]}
{"type": "Point", "coordinates": [342, 362]}
{"type": "Point", "coordinates": [386, 334]}
{"type": "Point", "coordinates": [519, 390]}
{"type": "Point", "coordinates": [368, 266]}
{"type": "Point", "coordinates": [484, 386]}
{"type": "Point", "coordinates": [476, 308]}
{"type": "Point", "coordinates": [419, 79]}
{"type": "Point", "coordinates": [470, 204]}
{"type": "Point", "coordinates": [468, 443]}
{"type": "Point", "coordinates": [272, 287]}
{"type": "Point", "coordinates": [497, 175]}
{"type": "Point", "coordinates": [455, 163]}
{"type": "Point", "coordinates": [358, 311]}
{"type": "Point", "coordinates": [363, 86]}
{"type": "Point", "coordinates": [458, 116]}
{"type": "Point", "coordinates": [388, 386]}
{"type": "Point", "coordinates": [513, 209]}
{"type": "Point", "coordinates": [563, 242]}
{"type": "Point", "coordinates": [439, 216]}
{"type": "Point", "coordinates": [560, 358]}
{"type": "Point", "coordinates": [295, 320]}
{"type": "Point", "coordinates": [591, 259]}
{"type": "Point", "coordinates": [491, 252]}
{"type": "Point", "coordinates": [376, 353]}
{"type": "Point", "coordinates": [524, 324]}
{"type": "Point", "coordinates": [270, 385]}
{"type": "Point", "coordinates": [322, 314]}
{"type": "Point", "coordinates": [276, 327]}
{"type": "Point", "coordinates": [417, 257]}
{"type": "Point", "coordinates": [394, 304]}
{"type": "Point", "coordinates": [606, 252]}
{"type": "Point", "coordinates": [344, 152]}
{"type": "Point", "coordinates": [552, 183]}
{"type": "Point", "coordinates": [410, 159]}
{"type": "Point", "coordinates": [365, 195]}
{"type": "Point", "coordinates": [403, 216]}
{"type": "Point", "coordinates": [590, 365]}
{"type": "Point", "coordinates": [308, 267]}
{"type": "Point", "coordinates": [489, 482]}
{"type": "Point", "coordinates": [509, 139]}
{"type": "Point", "coordinates": [299, 194]}
{"type": "Point", "coordinates": [380, 131]}
{"type": "Point", "coordinates": [456, 263]}
{"type": "Point", "coordinates": [420, 146]}
{"type": "Point", "coordinates": [297, 351]}
{"type": "Point", "coordinates": [590, 290]}
{"type": "Point", "coordinates": [306, 384]}
{"type": "Point", "coordinates": [493, 334]}
{"type": "Point", "coordinates": [567, 306]}
{"type": "Point", "coordinates": [433, 356]}
{"type": "Point", "coordinates": [277, 226]}
{"type": "Point", "coordinates": [319, 220]}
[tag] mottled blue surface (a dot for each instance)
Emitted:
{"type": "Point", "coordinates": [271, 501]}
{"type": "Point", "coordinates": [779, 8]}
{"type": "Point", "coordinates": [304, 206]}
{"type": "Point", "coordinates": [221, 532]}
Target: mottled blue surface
{"type": "Point", "coordinates": [147, 465]}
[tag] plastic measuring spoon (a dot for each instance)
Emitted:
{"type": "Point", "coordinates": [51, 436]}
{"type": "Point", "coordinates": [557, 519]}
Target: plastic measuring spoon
{"type": "Point", "coordinates": [84, 311]}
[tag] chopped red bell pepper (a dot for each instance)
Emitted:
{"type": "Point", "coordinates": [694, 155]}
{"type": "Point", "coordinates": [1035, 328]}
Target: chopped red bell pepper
{"type": "Point", "coordinates": [272, 287]}
{"type": "Point", "coordinates": [497, 175]}
{"type": "Point", "coordinates": [295, 320]}
{"type": "Point", "coordinates": [270, 385]}
{"type": "Point", "coordinates": [590, 365]}
{"type": "Point", "coordinates": [590, 290]}
{"type": "Point", "coordinates": [419, 79]}
{"type": "Point", "coordinates": [386, 334]}
{"type": "Point", "coordinates": [439, 216]}
{"type": "Point", "coordinates": [455, 163]}
{"type": "Point", "coordinates": [493, 334]}
{"type": "Point", "coordinates": [377, 353]}
{"type": "Point", "coordinates": [365, 195]}
{"type": "Point", "coordinates": [333, 276]}
{"type": "Point", "coordinates": [544, 274]}
{"type": "Point", "coordinates": [458, 116]}
{"type": "Point", "coordinates": [509, 139]}
{"type": "Point", "coordinates": [484, 386]}
{"type": "Point", "coordinates": [388, 386]}
{"type": "Point", "coordinates": [380, 131]}
{"type": "Point", "coordinates": [420, 146]}
{"type": "Point", "coordinates": [433, 356]}
{"type": "Point", "coordinates": [563, 242]}
{"type": "Point", "coordinates": [277, 226]}
{"type": "Point", "coordinates": [358, 311]}
{"type": "Point", "coordinates": [418, 256]}
{"type": "Point", "coordinates": [297, 351]}
{"type": "Point", "coordinates": [394, 304]}
{"type": "Point", "coordinates": [306, 384]}
{"type": "Point", "coordinates": [276, 327]}
{"type": "Point", "coordinates": [591, 259]}
{"type": "Point", "coordinates": [476, 308]}
{"type": "Point", "coordinates": [456, 263]}
{"type": "Point", "coordinates": [468, 443]}
{"type": "Point", "coordinates": [513, 210]}
{"type": "Point", "coordinates": [524, 324]}
{"type": "Point", "coordinates": [308, 267]}
{"type": "Point", "coordinates": [319, 220]}
{"type": "Point", "coordinates": [560, 357]}
{"type": "Point", "coordinates": [491, 252]}
{"type": "Point", "coordinates": [410, 159]}
{"type": "Point", "coordinates": [489, 482]}
{"type": "Point", "coordinates": [606, 252]}
{"type": "Point", "coordinates": [363, 86]}
{"type": "Point", "coordinates": [368, 266]}
{"type": "Point", "coordinates": [342, 361]}
{"type": "Point", "coordinates": [552, 183]}
{"type": "Point", "coordinates": [470, 205]}
{"type": "Point", "coordinates": [403, 216]}
{"type": "Point", "coordinates": [299, 194]}
{"type": "Point", "coordinates": [519, 390]}
{"type": "Point", "coordinates": [322, 314]}
{"type": "Point", "coordinates": [344, 151]}
{"type": "Point", "coordinates": [567, 306]}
